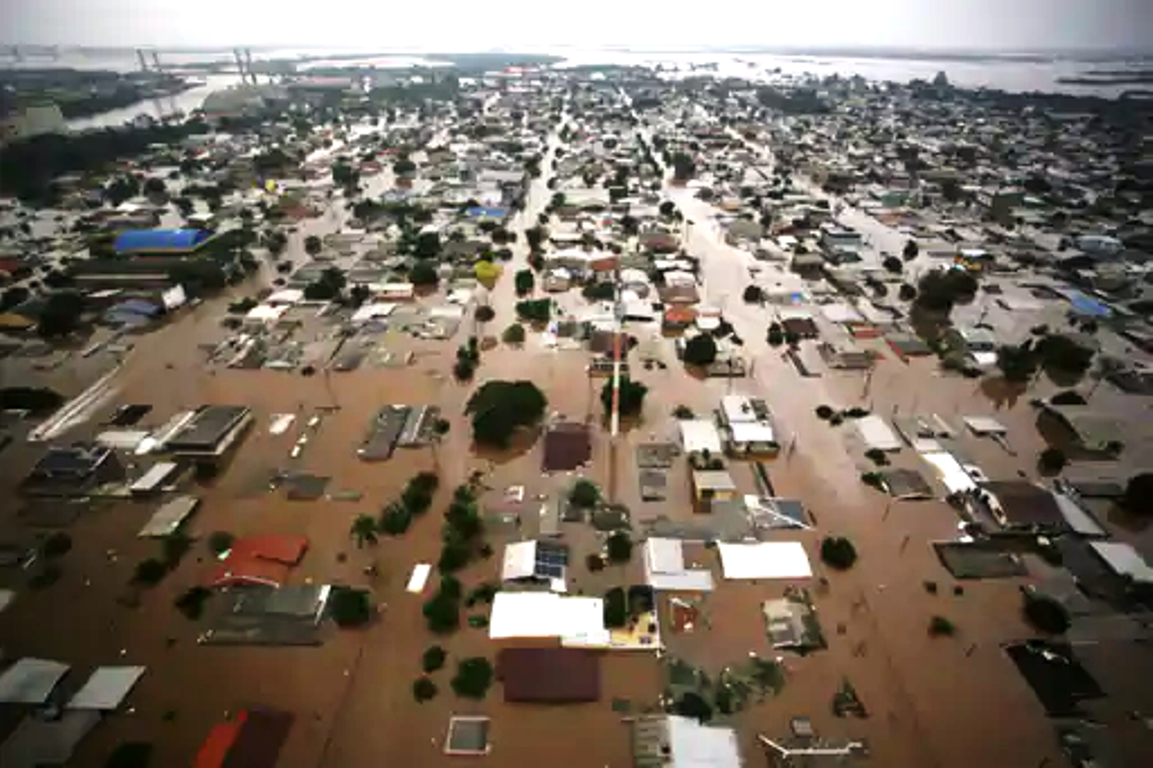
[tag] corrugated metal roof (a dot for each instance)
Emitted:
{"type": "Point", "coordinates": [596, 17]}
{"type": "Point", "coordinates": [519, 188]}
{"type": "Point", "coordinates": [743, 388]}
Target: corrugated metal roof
{"type": "Point", "coordinates": [159, 240]}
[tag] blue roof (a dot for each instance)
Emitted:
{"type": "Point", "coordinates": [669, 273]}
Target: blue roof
{"type": "Point", "coordinates": [480, 212]}
{"type": "Point", "coordinates": [1086, 305]}
{"type": "Point", "coordinates": [159, 240]}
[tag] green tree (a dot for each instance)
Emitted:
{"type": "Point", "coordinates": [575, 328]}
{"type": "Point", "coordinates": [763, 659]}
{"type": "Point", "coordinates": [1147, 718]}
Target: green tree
{"type": "Point", "coordinates": [514, 334]}
{"type": "Point", "coordinates": [584, 494]}
{"type": "Point", "coordinates": [910, 250]}
{"type": "Point", "coordinates": [500, 408]}
{"type": "Point", "coordinates": [1017, 363]}
{"type": "Point", "coordinates": [700, 350]}
{"type": "Point", "coordinates": [427, 245]}
{"type": "Point", "coordinates": [683, 167]}
{"type": "Point", "coordinates": [424, 274]}
{"type": "Point", "coordinates": [363, 530]}
{"type": "Point", "coordinates": [312, 245]}
{"type": "Point", "coordinates": [60, 315]}
{"type": "Point", "coordinates": [632, 396]}
{"type": "Point", "coordinates": [1138, 497]}
{"type": "Point", "coordinates": [433, 658]}
{"type": "Point", "coordinates": [620, 547]}
{"type": "Point", "coordinates": [423, 689]}
{"type": "Point", "coordinates": [473, 678]}
{"type": "Point", "coordinates": [350, 607]}
{"type": "Point", "coordinates": [524, 282]}
{"type": "Point", "coordinates": [893, 264]}
{"type": "Point", "coordinates": [753, 294]}
{"type": "Point", "coordinates": [838, 552]}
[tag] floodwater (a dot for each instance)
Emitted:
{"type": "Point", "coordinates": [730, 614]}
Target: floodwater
{"type": "Point", "coordinates": [928, 698]}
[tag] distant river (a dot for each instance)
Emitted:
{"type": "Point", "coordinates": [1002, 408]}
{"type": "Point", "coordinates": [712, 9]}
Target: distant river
{"type": "Point", "coordinates": [1003, 73]}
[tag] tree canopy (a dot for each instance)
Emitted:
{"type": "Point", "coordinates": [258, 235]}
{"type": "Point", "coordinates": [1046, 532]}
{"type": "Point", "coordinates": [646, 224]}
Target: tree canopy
{"type": "Point", "coordinates": [700, 350]}
{"type": "Point", "coordinates": [632, 396]}
{"type": "Point", "coordinates": [499, 408]}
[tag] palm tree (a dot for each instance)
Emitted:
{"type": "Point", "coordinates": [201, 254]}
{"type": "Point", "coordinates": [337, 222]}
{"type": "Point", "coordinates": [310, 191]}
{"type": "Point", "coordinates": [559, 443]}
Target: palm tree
{"type": "Point", "coordinates": [364, 530]}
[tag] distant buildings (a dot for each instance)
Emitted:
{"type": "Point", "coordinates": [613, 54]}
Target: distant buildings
{"type": "Point", "coordinates": [31, 120]}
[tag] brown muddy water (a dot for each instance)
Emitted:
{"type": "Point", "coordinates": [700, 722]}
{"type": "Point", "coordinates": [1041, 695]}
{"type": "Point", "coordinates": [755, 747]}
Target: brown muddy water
{"type": "Point", "coordinates": [933, 702]}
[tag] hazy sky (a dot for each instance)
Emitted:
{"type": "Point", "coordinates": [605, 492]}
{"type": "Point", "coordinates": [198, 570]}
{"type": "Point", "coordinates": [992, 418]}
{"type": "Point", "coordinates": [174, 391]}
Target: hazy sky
{"type": "Point", "coordinates": [461, 25]}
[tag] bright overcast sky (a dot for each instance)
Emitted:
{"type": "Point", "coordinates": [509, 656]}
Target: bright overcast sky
{"type": "Point", "coordinates": [460, 25]}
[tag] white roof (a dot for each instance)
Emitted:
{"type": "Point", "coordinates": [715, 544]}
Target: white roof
{"type": "Point", "coordinates": [286, 296]}
{"type": "Point", "coordinates": [169, 517]}
{"type": "Point", "coordinates": [519, 560]}
{"type": "Point", "coordinates": [693, 745]}
{"type": "Point", "coordinates": [262, 313]}
{"type": "Point", "coordinates": [752, 432]}
{"type": "Point", "coordinates": [984, 425]}
{"type": "Point", "coordinates": [664, 555]}
{"type": "Point", "coordinates": [418, 578]}
{"type": "Point", "coordinates": [368, 311]}
{"type": "Point", "coordinates": [840, 313]}
{"type": "Point", "coordinates": [952, 474]}
{"type": "Point", "coordinates": [156, 475]}
{"type": "Point", "coordinates": [700, 435]}
{"type": "Point", "coordinates": [546, 614]}
{"type": "Point", "coordinates": [765, 560]}
{"type": "Point", "coordinates": [106, 688]}
{"type": "Point", "coordinates": [678, 277]}
{"type": "Point", "coordinates": [631, 275]}
{"type": "Point", "coordinates": [30, 681]}
{"type": "Point", "coordinates": [122, 439]}
{"type": "Point", "coordinates": [665, 568]}
{"type": "Point", "coordinates": [737, 408]}
{"type": "Point", "coordinates": [877, 433]}
{"type": "Point", "coordinates": [1124, 560]}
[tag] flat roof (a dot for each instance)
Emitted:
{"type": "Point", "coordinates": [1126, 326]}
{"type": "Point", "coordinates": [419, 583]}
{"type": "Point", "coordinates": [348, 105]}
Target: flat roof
{"type": "Point", "coordinates": [207, 428]}
{"type": "Point", "coordinates": [549, 674]}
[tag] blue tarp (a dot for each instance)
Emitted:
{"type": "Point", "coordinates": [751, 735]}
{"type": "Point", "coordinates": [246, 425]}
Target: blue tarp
{"type": "Point", "coordinates": [159, 240]}
{"type": "Point", "coordinates": [480, 212]}
{"type": "Point", "coordinates": [1087, 305]}
{"type": "Point", "coordinates": [136, 307]}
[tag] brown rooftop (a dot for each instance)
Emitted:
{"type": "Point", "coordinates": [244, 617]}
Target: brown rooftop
{"type": "Point", "coordinates": [549, 674]}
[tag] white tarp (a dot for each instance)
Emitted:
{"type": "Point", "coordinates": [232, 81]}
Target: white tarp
{"type": "Point", "coordinates": [106, 688]}
{"type": "Point", "coordinates": [950, 471]}
{"type": "Point", "coordinates": [418, 578]}
{"type": "Point", "coordinates": [984, 425]}
{"type": "Point", "coordinates": [1124, 560]}
{"type": "Point", "coordinates": [698, 435]}
{"type": "Point", "coordinates": [519, 561]}
{"type": "Point", "coordinates": [174, 297]}
{"type": "Point", "coordinates": [665, 568]}
{"type": "Point", "coordinates": [545, 614]}
{"type": "Point", "coordinates": [121, 439]}
{"type": "Point", "coordinates": [281, 422]}
{"type": "Point", "coordinates": [877, 433]}
{"type": "Point", "coordinates": [169, 517]}
{"type": "Point", "coordinates": [30, 680]}
{"type": "Point", "coordinates": [765, 560]}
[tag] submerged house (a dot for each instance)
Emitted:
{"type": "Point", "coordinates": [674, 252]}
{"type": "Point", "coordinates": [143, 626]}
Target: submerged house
{"type": "Point", "coordinates": [74, 470]}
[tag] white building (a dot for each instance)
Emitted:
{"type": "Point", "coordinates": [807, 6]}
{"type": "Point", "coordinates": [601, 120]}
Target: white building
{"type": "Point", "coordinates": [31, 120]}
